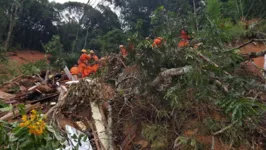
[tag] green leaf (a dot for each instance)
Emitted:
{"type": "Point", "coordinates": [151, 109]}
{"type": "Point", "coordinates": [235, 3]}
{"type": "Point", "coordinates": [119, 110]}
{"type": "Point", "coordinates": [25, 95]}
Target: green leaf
{"type": "Point", "coordinates": [21, 109]}
{"type": "Point", "coordinates": [7, 109]}
{"type": "Point", "coordinates": [27, 142]}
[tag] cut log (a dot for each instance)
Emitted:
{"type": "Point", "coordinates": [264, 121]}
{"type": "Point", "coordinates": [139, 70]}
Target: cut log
{"type": "Point", "coordinates": [15, 113]}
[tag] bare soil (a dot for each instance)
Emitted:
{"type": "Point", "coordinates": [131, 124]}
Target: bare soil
{"type": "Point", "coordinates": [252, 47]}
{"type": "Point", "coordinates": [26, 56]}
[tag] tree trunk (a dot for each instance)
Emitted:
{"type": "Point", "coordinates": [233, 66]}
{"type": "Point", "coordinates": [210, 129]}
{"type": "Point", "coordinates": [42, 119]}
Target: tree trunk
{"type": "Point", "coordinates": [74, 44]}
{"type": "Point", "coordinates": [12, 22]}
{"type": "Point", "coordinates": [77, 35]}
{"type": "Point", "coordinates": [195, 15]}
{"type": "Point", "coordinates": [85, 42]}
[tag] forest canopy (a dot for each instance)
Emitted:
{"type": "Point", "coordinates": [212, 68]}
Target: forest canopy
{"type": "Point", "coordinates": [28, 24]}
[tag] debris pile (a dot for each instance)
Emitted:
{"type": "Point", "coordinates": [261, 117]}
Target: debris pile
{"type": "Point", "coordinates": [82, 104]}
{"type": "Point", "coordinates": [33, 91]}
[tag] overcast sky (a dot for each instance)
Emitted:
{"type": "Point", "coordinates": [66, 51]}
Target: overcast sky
{"type": "Point", "coordinates": [93, 2]}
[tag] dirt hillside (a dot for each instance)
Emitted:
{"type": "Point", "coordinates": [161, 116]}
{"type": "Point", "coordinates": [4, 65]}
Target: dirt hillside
{"type": "Point", "coordinates": [25, 56]}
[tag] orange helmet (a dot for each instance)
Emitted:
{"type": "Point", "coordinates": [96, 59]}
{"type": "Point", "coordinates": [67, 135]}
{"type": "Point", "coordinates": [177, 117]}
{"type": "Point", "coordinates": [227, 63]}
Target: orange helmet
{"type": "Point", "coordinates": [84, 51]}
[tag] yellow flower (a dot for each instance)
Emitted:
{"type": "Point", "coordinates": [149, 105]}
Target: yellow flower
{"type": "Point", "coordinates": [33, 117]}
{"type": "Point", "coordinates": [33, 111]}
{"type": "Point", "coordinates": [34, 123]}
{"type": "Point", "coordinates": [24, 118]}
{"type": "Point", "coordinates": [24, 124]}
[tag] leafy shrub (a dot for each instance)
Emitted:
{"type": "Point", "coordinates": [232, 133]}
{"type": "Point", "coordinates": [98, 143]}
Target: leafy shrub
{"type": "Point", "coordinates": [34, 67]}
{"type": "Point", "coordinates": [71, 59]}
{"type": "Point", "coordinates": [31, 133]}
{"type": "Point", "coordinates": [55, 49]}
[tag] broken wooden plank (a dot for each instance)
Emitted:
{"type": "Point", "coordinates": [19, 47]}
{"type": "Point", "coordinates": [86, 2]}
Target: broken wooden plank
{"type": "Point", "coordinates": [15, 113]}
{"type": "Point", "coordinates": [6, 96]}
{"type": "Point", "coordinates": [99, 125]}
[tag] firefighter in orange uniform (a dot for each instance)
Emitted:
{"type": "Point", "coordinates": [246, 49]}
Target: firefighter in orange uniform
{"type": "Point", "coordinates": [185, 37]}
{"type": "Point", "coordinates": [93, 64]}
{"type": "Point", "coordinates": [83, 61]}
{"type": "Point", "coordinates": [75, 71]}
{"type": "Point", "coordinates": [123, 51]}
{"type": "Point", "coordinates": [157, 42]}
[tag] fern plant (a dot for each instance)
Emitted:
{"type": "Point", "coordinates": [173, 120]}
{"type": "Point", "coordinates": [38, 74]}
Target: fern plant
{"type": "Point", "coordinates": [242, 108]}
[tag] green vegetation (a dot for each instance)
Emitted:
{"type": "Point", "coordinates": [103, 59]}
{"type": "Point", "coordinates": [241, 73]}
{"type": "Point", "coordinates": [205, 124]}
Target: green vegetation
{"type": "Point", "coordinates": [208, 98]}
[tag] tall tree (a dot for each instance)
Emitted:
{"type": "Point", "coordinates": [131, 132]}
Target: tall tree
{"type": "Point", "coordinates": [12, 20]}
{"type": "Point", "coordinates": [35, 24]}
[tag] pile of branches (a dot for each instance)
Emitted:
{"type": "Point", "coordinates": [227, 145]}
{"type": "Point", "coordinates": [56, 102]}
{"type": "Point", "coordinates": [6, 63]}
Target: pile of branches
{"type": "Point", "coordinates": [154, 106]}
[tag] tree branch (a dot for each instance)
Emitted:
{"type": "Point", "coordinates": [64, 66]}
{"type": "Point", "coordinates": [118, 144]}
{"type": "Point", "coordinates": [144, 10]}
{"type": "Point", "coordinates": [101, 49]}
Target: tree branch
{"type": "Point", "coordinates": [210, 61]}
{"type": "Point", "coordinates": [254, 54]}
{"type": "Point", "coordinates": [164, 79]}
{"type": "Point", "coordinates": [224, 129]}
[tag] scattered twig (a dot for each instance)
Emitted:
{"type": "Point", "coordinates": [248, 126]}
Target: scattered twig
{"type": "Point", "coordinates": [122, 62]}
{"type": "Point", "coordinates": [218, 83]}
{"type": "Point", "coordinates": [210, 61]}
{"type": "Point", "coordinates": [40, 78]}
{"type": "Point", "coordinates": [225, 128]}
{"type": "Point", "coordinates": [243, 45]}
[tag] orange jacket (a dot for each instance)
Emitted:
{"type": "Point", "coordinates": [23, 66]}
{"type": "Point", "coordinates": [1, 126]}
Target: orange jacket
{"type": "Point", "coordinates": [90, 69]}
{"type": "Point", "coordinates": [95, 68]}
{"type": "Point", "coordinates": [183, 43]}
{"type": "Point", "coordinates": [94, 57]}
{"type": "Point", "coordinates": [84, 58]}
{"type": "Point", "coordinates": [184, 35]}
{"type": "Point", "coordinates": [74, 71]}
{"type": "Point", "coordinates": [82, 67]}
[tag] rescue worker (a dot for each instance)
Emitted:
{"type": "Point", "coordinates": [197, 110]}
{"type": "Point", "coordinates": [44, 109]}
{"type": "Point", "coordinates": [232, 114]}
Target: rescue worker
{"type": "Point", "coordinates": [93, 65]}
{"type": "Point", "coordinates": [75, 71]}
{"type": "Point", "coordinates": [185, 37]}
{"type": "Point", "coordinates": [123, 51]}
{"type": "Point", "coordinates": [83, 61]}
{"type": "Point", "coordinates": [157, 42]}
{"type": "Point", "coordinates": [93, 56]}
